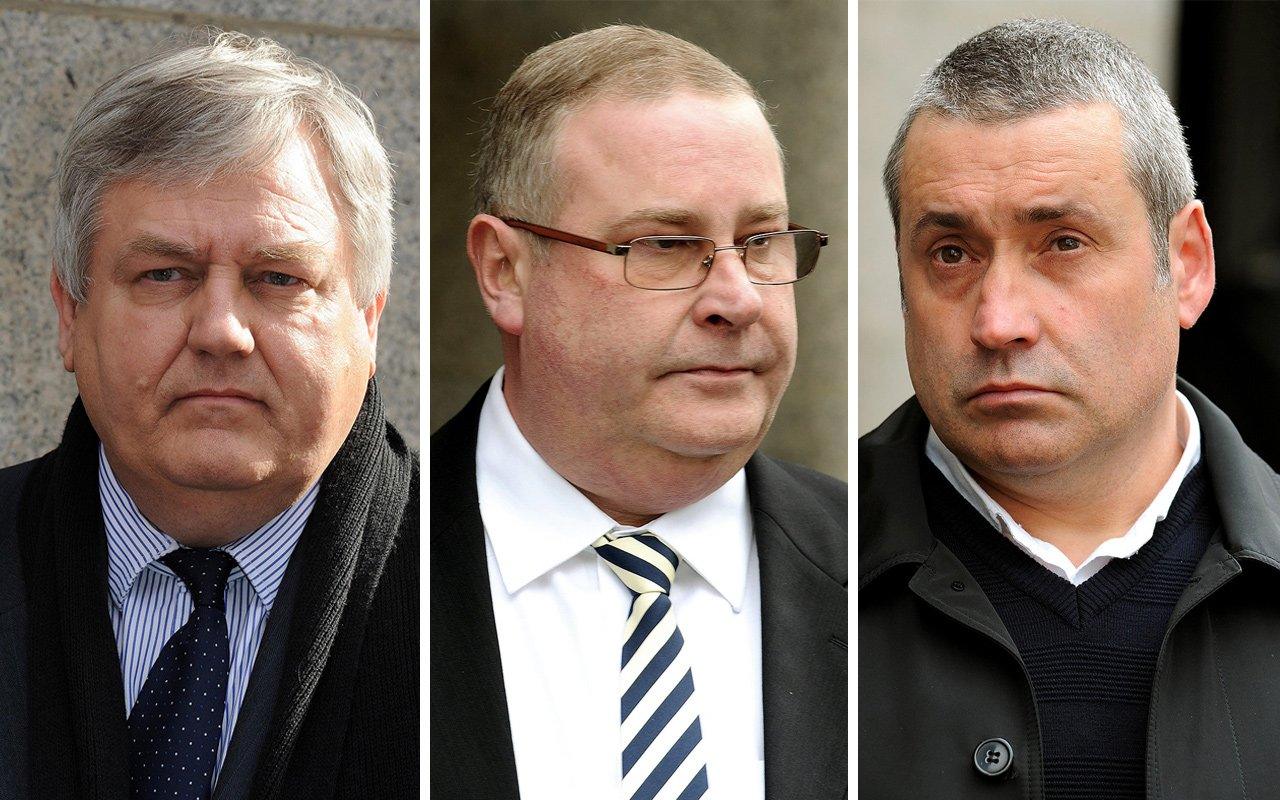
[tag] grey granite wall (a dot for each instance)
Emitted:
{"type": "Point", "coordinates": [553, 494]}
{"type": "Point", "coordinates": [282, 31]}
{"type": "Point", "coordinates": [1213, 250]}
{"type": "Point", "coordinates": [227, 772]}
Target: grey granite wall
{"type": "Point", "coordinates": [52, 56]}
{"type": "Point", "coordinates": [793, 51]}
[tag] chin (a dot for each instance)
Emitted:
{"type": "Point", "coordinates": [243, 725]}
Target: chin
{"type": "Point", "coordinates": [709, 438]}
{"type": "Point", "coordinates": [1027, 449]}
{"type": "Point", "coordinates": [216, 463]}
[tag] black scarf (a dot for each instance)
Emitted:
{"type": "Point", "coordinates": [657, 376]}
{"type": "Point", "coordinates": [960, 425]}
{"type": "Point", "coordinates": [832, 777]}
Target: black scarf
{"type": "Point", "coordinates": [78, 730]}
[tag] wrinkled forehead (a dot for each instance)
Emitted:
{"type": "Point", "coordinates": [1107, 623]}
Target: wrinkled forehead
{"type": "Point", "coordinates": [1068, 150]}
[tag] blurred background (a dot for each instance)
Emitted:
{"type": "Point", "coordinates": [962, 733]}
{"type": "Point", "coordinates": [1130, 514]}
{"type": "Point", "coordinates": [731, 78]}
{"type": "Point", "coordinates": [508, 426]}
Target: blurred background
{"type": "Point", "coordinates": [1218, 63]}
{"type": "Point", "coordinates": [794, 53]}
{"type": "Point", "coordinates": [52, 57]}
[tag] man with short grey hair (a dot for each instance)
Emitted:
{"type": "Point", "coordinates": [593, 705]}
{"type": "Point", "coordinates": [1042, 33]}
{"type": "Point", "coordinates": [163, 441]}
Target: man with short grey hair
{"type": "Point", "coordinates": [1065, 548]}
{"type": "Point", "coordinates": [627, 599]}
{"type": "Point", "coordinates": [211, 582]}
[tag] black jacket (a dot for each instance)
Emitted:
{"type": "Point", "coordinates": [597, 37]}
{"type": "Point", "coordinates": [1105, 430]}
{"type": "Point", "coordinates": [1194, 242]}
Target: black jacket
{"type": "Point", "coordinates": [939, 673]}
{"type": "Point", "coordinates": [331, 706]}
{"type": "Point", "coordinates": [800, 522]}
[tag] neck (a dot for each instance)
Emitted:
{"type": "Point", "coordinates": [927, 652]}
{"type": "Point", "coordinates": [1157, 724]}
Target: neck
{"type": "Point", "coordinates": [1079, 506]}
{"type": "Point", "coordinates": [631, 484]}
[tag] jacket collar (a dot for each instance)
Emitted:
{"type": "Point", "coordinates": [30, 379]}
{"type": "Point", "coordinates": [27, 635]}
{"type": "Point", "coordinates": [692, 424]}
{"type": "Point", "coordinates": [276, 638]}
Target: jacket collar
{"type": "Point", "coordinates": [1246, 488]}
{"type": "Point", "coordinates": [894, 528]}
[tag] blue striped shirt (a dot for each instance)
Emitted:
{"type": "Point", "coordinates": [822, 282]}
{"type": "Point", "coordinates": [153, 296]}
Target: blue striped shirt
{"type": "Point", "coordinates": [149, 603]}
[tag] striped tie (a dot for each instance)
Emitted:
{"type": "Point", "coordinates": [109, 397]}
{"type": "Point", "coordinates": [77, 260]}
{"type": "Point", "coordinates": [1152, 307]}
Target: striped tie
{"type": "Point", "coordinates": [661, 757]}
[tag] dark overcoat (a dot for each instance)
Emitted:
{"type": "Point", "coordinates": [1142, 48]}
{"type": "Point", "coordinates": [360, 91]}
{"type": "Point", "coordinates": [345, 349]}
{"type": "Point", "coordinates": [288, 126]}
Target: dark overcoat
{"type": "Point", "coordinates": [939, 673]}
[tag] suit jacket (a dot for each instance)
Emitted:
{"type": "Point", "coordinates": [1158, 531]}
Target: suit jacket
{"type": "Point", "coordinates": [800, 518]}
{"type": "Point", "coordinates": [330, 710]}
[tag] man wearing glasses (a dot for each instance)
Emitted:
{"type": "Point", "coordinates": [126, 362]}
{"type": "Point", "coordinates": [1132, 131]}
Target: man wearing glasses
{"type": "Point", "coordinates": [624, 594]}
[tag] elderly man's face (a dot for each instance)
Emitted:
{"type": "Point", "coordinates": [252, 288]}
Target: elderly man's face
{"type": "Point", "coordinates": [1036, 332]}
{"type": "Point", "coordinates": [220, 345]}
{"type": "Point", "coordinates": [695, 373]}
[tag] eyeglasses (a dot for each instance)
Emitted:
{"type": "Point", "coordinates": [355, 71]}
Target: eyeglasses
{"type": "Point", "coordinates": [668, 263]}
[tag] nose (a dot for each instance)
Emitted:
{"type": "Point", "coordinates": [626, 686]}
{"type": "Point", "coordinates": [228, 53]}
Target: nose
{"type": "Point", "coordinates": [1006, 316]}
{"type": "Point", "coordinates": [219, 324]}
{"type": "Point", "coordinates": [726, 299]}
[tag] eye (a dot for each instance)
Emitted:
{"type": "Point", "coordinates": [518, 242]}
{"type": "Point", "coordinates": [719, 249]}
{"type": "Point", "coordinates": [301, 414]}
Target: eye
{"type": "Point", "coordinates": [950, 254]}
{"type": "Point", "coordinates": [760, 244]}
{"type": "Point", "coordinates": [1067, 243]}
{"type": "Point", "coordinates": [667, 245]}
{"type": "Point", "coordinates": [278, 279]}
{"type": "Point", "coordinates": [164, 275]}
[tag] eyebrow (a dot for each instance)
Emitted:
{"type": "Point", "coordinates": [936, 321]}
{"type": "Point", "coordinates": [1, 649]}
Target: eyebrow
{"type": "Point", "coordinates": [946, 220]}
{"type": "Point", "coordinates": [285, 252]}
{"type": "Point", "coordinates": [150, 245]}
{"type": "Point", "coordinates": [681, 217]}
{"type": "Point", "coordinates": [289, 253]}
{"type": "Point", "coordinates": [1039, 214]}
{"type": "Point", "coordinates": [954, 221]}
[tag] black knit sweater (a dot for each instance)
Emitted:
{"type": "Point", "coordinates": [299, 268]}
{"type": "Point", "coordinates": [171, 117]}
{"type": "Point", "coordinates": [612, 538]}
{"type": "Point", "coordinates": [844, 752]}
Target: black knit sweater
{"type": "Point", "coordinates": [1090, 650]}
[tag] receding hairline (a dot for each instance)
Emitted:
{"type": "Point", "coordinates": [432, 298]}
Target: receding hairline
{"type": "Point", "coordinates": [750, 100]}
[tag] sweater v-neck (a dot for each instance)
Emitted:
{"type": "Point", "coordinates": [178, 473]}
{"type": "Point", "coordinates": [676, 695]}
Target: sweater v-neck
{"type": "Point", "coordinates": [960, 526]}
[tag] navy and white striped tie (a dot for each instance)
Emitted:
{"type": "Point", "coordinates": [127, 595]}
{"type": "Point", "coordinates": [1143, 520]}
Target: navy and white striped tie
{"type": "Point", "coordinates": [661, 734]}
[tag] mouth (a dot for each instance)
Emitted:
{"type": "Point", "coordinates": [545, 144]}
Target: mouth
{"type": "Point", "coordinates": [1010, 392]}
{"type": "Point", "coordinates": [716, 371]}
{"type": "Point", "coordinates": [218, 397]}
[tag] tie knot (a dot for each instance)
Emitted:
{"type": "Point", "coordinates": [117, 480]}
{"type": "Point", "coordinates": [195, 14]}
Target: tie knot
{"type": "Point", "coordinates": [204, 571]}
{"type": "Point", "coordinates": [641, 560]}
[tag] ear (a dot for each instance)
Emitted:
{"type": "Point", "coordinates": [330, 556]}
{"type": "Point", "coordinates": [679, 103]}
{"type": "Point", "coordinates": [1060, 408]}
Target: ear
{"type": "Point", "coordinates": [68, 307]}
{"type": "Point", "coordinates": [1191, 261]}
{"type": "Point", "coordinates": [501, 259]}
{"type": "Point", "coordinates": [373, 313]}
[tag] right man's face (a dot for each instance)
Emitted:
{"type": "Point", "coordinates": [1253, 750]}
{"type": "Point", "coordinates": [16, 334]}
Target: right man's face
{"type": "Point", "coordinates": [1036, 332]}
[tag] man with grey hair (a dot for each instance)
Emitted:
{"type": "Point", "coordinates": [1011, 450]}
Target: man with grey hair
{"type": "Point", "coordinates": [1067, 552]}
{"type": "Point", "coordinates": [210, 585]}
{"type": "Point", "coordinates": [627, 599]}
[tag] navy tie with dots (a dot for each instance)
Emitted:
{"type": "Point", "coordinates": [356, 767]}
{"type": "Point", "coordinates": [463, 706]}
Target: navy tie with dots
{"type": "Point", "coordinates": [176, 721]}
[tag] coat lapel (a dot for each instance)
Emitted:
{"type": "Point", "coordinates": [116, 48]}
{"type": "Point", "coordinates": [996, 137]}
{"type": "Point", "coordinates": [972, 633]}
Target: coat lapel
{"type": "Point", "coordinates": [471, 752]}
{"type": "Point", "coordinates": [804, 630]}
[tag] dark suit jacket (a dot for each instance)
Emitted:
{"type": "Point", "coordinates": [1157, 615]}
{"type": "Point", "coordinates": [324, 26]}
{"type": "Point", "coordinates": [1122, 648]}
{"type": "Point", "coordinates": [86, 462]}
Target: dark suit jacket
{"type": "Point", "coordinates": [800, 519]}
{"type": "Point", "coordinates": [330, 709]}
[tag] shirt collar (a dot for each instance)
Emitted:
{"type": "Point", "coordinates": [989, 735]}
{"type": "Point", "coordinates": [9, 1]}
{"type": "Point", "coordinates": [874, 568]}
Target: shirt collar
{"type": "Point", "coordinates": [1119, 547]}
{"type": "Point", "coordinates": [537, 520]}
{"type": "Point", "coordinates": [133, 542]}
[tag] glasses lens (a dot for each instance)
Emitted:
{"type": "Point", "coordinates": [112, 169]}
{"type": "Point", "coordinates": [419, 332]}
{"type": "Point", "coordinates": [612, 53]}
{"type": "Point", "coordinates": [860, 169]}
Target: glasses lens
{"type": "Point", "coordinates": [783, 257]}
{"type": "Point", "coordinates": [667, 262]}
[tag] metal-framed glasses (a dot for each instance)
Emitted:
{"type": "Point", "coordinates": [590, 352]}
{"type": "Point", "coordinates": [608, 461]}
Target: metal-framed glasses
{"type": "Point", "coordinates": [668, 263]}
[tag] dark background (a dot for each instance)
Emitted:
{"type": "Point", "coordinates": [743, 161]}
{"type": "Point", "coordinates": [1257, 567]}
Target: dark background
{"type": "Point", "coordinates": [1228, 97]}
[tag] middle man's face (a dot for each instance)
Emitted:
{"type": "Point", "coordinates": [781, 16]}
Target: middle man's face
{"type": "Point", "coordinates": [694, 373]}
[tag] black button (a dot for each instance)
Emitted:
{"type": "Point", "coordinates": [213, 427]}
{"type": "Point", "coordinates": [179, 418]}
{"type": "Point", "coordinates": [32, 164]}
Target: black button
{"type": "Point", "coordinates": [957, 586]}
{"type": "Point", "coordinates": [993, 758]}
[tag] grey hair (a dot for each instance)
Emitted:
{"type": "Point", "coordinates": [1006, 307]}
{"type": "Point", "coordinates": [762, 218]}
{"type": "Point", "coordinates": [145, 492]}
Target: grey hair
{"type": "Point", "coordinates": [202, 112]}
{"type": "Point", "coordinates": [1025, 67]}
{"type": "Point", "coordinates": [515, 169]}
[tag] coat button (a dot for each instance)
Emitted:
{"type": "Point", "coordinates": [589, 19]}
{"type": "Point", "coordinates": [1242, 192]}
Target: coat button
{"type": "Point", "coordinates": [993, 758]}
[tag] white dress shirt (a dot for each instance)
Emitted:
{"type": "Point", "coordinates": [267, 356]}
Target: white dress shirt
{"type": "Point", "coordinates": [560, 613]}
{"type": "Point", "coordinates": [1047, 554]}
{"type": "Point", "coordinates": [149, 602]}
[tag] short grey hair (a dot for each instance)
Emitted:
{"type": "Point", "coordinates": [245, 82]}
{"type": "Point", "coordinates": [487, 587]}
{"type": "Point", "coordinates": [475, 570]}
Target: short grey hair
{"type": "Point", "coordinates": [227, 106]}
{"type": "Point", "coordinates": [515, 170]}
{"type": "Point", "coordinates": [1025, 67]}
